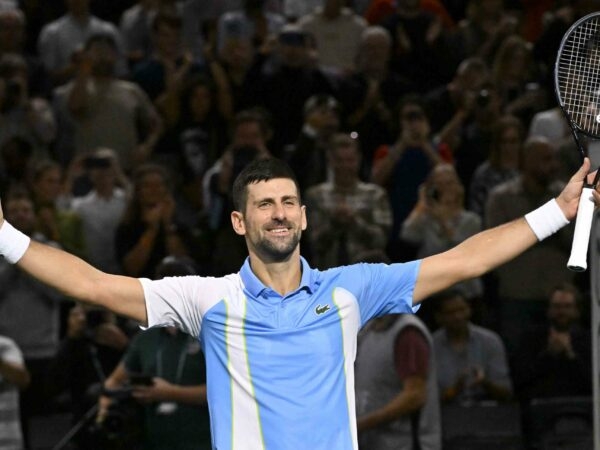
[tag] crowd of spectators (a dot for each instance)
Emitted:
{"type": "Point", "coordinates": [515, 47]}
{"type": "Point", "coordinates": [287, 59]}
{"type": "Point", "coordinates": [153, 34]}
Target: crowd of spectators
{"type": "Point", "coordinates": [410, 124]}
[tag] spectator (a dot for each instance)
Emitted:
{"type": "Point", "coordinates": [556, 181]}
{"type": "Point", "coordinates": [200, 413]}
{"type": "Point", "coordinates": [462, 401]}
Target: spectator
{"type": "Point", "coordinates": [252, 22]}
{"type": "Point", "coordinates": [419, 46]}
{"type": "Point", "coordinates": [336, 30]}
{"type": "Point", "coordinates": [523, 283]}
{"type": "Point", "coordinates": [13, 377]}
{"type": "Point", "coordinates": [169, 63]}
{"type": "Point", "coordinates": [13, 24]}
{"type": "Point", "coordinates": [308, 155]}
{"type": "Point", "coordinates": [396, 390]}
{"type": "Point", "coordinates": [28, 117]}
{"type": "Point", "coordinates": [15, 158]}
{"type": "Point", "coordinates": [554, 359]}
{"type": "Point", "coordinates": [501, 165]}
{"type": "Point", "coordinates": [91, 349]}
{"type": "Point", "coordinates": [404, 165]}
{"type": "Point", "coordinates": [54, 220]}
{"type": "Point", "coordinates": [174, 402]}
{"type": "Point", "coordinates": [60, 42]}
{"type": "Point", "coordinates": [135, 27]}
{"type": "Point", "coordinates": [150, 228]}
{"type": "Point", "coordinates": [101, 209]}
{"type": "Point", "coordinates": [439, 220]}
{"type": "Point", "coordinates": [287, 82]}
{"type": "Point", "coordinates": [29, 315]}
{"type": "Point", "coordinates": [347, 215]}
{"type": "Point", "coordinates": [370, 94]}
{"type": "Point", "coordinates": [96, 101]}
{"type": "Point", "coordinates": [470, 360]}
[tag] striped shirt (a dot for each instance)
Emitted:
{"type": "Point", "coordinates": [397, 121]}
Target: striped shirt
{"type": "Point", "coordinates": [280, 369]}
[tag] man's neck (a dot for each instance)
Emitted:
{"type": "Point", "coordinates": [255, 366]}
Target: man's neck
{"type": "Point", "coordinates": [283, 277]}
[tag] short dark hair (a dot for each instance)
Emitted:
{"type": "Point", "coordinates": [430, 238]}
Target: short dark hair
{"type": "Point", "coordinates": [262, 169]}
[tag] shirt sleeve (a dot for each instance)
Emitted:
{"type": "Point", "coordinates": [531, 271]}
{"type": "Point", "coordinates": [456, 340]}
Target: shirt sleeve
{"type": "Point", "coordinates": [183, 301]}
{"type": "Point", "coordinates": [411, 353]}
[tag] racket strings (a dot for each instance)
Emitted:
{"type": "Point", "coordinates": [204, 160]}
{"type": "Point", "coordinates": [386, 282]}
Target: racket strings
{"type": "Point", "coordinates": [578, 73]}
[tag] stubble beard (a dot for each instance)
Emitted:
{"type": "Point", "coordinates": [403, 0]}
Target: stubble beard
{"type": "Point", "coordinates": [278, 250]}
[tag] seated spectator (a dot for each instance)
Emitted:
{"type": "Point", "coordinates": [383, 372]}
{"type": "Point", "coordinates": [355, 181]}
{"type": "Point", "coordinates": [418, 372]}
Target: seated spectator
{"type": "Point", "coordinates": [470, 360]}
{"type": "Point", "coordinates": [13, 377]}
{"type": "Point", "coordinates": [175, 414]}
{"type": "Point", "coordinates": [396, 392]}
{"type": "Point", "coordinates": [150, 228]}
{"type": "Point", "coordinates": [347, 216]}
{"type": "Point", "coordinates": [439, 220]}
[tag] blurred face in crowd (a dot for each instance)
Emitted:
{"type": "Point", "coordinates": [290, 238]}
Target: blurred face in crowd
{"type": "Point", "coordinates": [12, 31]}
{"type": "Point", "coordinates": [20, 213]}
{"type": "Point", "coordinates": [509, 147]}
{"type": "Point", "coordinates": [249, 134]}
{"type": "Point", "coordinates": [152, 189]}
{"type": "Point", "coordinates": [540, 161]}
{"type": "Point", "coordinates": [103, 58]}
{"type": "Point", "coordinates": [200, 102]}
{"type": "Point", "coordinates": [562, 310]}
{"type": "Point", "coordinates": [293, 49]}
{"type": "Point", "coordinates": [78, 7]}
{"type": "Point", "coordinates": [445, 181]}
{"type": "Point", "coordinates": [324, 119]}
{"type": "Point", "coordinates": [47, 187]}
{"type": "Point", "coordinates": [375, 51]}
{"type": "Point", "coordinates": [345, 163]}
{"type": "Point", "coordinates": [237, 53]}
{"type": "Point", "coordinates": [454, 314]}
{"type": "Point", "coordinates": [167, 40]}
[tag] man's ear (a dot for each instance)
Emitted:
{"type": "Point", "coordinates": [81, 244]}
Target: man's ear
{"type": "Point", "coordinates": [237, 221]}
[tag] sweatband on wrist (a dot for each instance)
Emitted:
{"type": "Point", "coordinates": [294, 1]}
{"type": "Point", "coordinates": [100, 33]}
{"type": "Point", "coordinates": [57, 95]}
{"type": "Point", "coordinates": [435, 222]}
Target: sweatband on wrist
{"type": "Point", "coordinates": [546, 220]}
{"type": "Point", "coordinates": [13, 243]}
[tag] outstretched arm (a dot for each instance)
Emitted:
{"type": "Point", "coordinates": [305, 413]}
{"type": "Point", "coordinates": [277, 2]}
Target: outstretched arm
{"type": "Point", "coordinates": [79, 280]}
{"type": "Point", "coordinates": [493, 247]}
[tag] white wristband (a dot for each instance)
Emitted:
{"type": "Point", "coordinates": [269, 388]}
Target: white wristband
{"type": "Point", "coordinates": [13, 243]}
{"type": "Point", "coordinates": [546, 220]}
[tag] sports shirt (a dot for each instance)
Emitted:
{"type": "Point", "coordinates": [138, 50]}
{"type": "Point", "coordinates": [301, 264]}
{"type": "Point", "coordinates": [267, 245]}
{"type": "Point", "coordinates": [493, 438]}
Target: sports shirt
{"type": "Point", "coordinates": [280, 369]}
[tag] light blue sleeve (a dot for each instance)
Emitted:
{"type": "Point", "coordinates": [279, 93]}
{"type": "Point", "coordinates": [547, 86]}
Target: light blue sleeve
{"type": "Point", "coordinates": [382, 288]}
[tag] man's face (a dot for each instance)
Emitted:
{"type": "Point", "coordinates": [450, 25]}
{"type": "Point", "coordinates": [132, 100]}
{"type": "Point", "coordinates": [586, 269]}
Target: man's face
{"type": "Point", "coordinates": [20, 214]}
{"type": "Point", "coordinates": [345, 164]}
{"type": "Point", "coordinates": [248, 134]}
{"type": "Point", "coordinates": [562, 310]}
{"type": "Point", "coordinates": [103, 58]}
{"type": "Point", "coordinates": [273, 221]}
{"type": "Point", "coordinates": [454, 314]}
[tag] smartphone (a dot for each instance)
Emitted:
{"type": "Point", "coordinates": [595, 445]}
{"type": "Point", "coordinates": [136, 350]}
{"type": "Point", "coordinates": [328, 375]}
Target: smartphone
{"type": "Point", "coordinates": [139, 379]}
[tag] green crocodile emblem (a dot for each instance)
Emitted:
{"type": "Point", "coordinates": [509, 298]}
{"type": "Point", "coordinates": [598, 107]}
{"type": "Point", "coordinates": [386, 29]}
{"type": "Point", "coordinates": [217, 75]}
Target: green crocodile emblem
{"type": "Point", "coordinates": [321, 309]}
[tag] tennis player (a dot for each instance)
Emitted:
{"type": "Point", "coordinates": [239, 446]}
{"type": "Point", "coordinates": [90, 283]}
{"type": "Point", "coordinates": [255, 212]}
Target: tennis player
{"type": "Point", "coordinates": [279, 337]}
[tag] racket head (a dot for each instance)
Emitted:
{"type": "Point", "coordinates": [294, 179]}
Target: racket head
{"type": "Point", "coordinates": [577, 75]}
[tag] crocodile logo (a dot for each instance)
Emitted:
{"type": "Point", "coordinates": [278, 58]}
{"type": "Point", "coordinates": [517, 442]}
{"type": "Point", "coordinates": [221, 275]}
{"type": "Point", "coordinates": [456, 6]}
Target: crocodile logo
{"type": "Point", "coordinates": [322, 309]}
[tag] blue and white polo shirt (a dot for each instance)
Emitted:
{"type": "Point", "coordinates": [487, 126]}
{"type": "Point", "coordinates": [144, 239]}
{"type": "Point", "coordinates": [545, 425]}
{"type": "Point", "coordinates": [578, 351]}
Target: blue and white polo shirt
{"type": "Point", "coordinates": [280, 369]}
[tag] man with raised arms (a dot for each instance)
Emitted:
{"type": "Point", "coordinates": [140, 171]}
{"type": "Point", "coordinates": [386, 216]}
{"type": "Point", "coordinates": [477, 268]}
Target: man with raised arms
{"type": "Point", "coordinates": [280, 337]}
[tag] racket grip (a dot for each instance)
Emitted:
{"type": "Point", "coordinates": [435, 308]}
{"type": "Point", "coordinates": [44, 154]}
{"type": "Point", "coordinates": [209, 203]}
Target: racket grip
{"type": "Point", "coordinates": [581, 238]}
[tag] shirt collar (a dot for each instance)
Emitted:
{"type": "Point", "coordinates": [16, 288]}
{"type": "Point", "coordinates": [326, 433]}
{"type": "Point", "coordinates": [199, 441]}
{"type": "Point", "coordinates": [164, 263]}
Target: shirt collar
{"type": "Point", "coordinates": [308, 281]}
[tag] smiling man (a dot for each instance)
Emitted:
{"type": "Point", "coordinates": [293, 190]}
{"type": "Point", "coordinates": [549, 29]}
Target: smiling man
{"type": "Point", "coordinates": [280, 337]}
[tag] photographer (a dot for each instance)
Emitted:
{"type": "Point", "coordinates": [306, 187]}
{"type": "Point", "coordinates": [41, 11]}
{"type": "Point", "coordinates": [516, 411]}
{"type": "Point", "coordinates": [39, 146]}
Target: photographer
{"type": "Point", "coordinates": [161, 370]}
{"type": "Point", "coordinates": [92, 347]}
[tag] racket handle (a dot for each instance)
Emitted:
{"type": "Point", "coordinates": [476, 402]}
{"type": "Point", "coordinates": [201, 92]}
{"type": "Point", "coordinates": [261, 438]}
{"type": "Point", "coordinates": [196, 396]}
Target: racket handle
{"type": "Point", "coordinates": [581, 238]}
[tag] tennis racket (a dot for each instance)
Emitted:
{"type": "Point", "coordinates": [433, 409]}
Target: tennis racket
{"type": "Point", "coordinates": [577, 86]}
